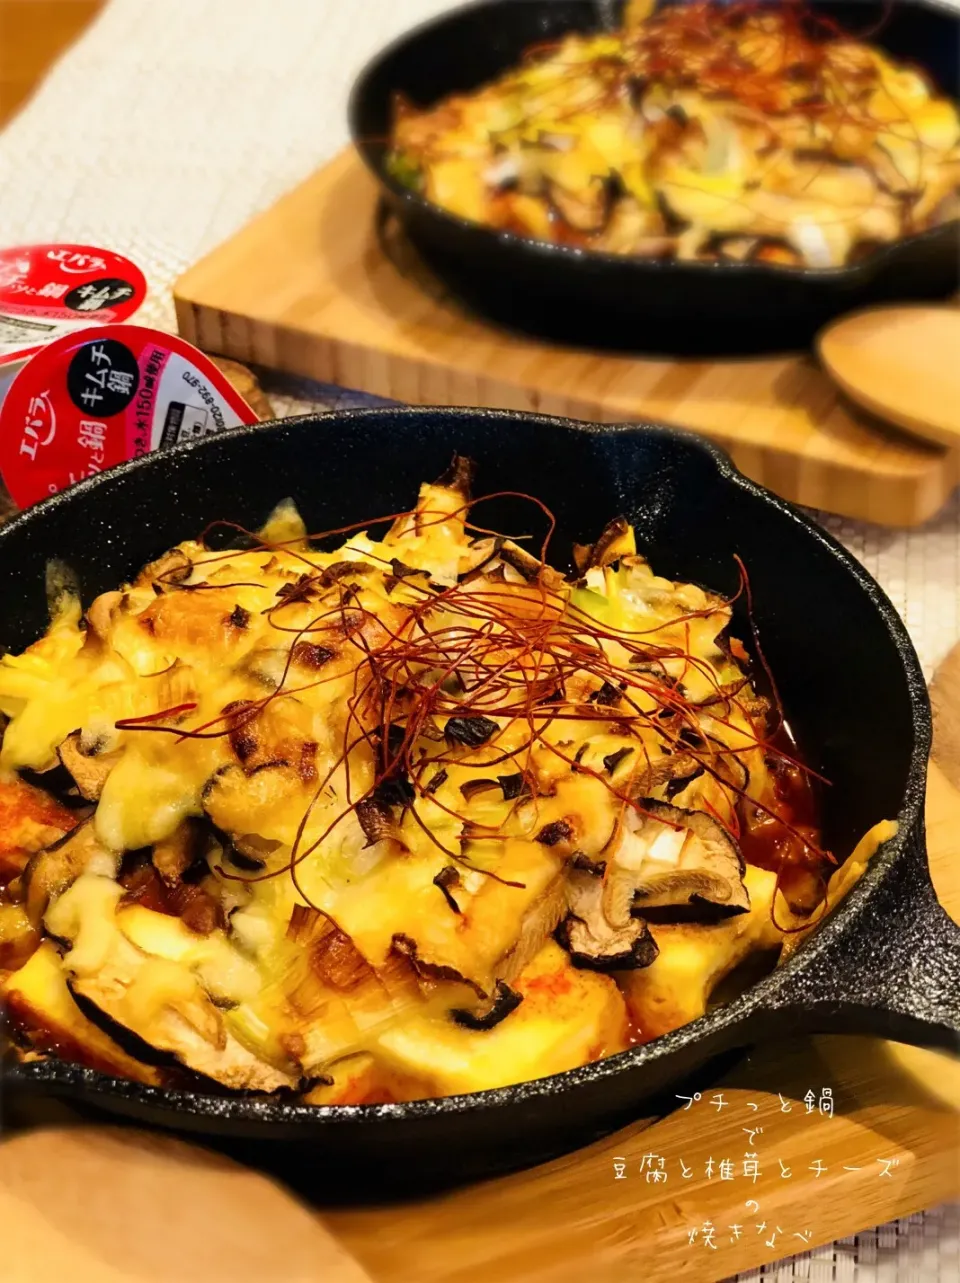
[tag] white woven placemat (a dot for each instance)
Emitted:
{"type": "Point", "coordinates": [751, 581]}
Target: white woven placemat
{"type": "Point", "coordinates": [170, 124]}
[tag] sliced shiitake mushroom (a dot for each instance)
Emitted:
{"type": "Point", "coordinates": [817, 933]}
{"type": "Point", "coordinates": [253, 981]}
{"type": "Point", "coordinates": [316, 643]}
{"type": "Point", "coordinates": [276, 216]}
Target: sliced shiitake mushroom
{"type": "Point", "coordinates": [406, 947]}
{"type": "Point", "coordinates": [88, 763]}
{"type": "Point", "coordinates": [470, 789]}
{"type": "Point", "coordinates": [666, 769]}
{"type": "Point", "coordinates": [613, 760]}
{"type": "Point", "coordinates": [169, 570]}
{"type": "Point", "coordinates": [483, 557]}
{"type": "Point", "coordinates": [489, 556]}
{"type": "Point", "coordinates": [669, 857]}
{"type": "Point", "coordinates": [189, 1027]}
{"type": "Point", "coordinates": [149, 974]}
{"type": "Point", "coordinates": [248, 851]}
{"type": "Point", "coordinates": [201, 902]}
{"type": "Point", "coordinates": [51, 871]}
{"type": "Point", "coordinates": [173, 856]}
{"type": "Point", "coordinates": [458, 476]}
{"type": "Point", "coordinates": [100, 619]}
{"type": "Point", "coordinates": [616, 541]}
{"type": "Point", "coordinates": [591, 939]}
{"type": "Point", "coordinates": [531, 567]}
{"type": "Point", "coordinates": [722, 773]}
{"type": "Point", "coordinates": [488, 1016]}
{"type": "Point", "coordinates": [471, 732]}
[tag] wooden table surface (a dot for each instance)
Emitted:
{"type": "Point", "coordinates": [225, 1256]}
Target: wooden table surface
{"type": "Point", "coordinates": [33, 34]}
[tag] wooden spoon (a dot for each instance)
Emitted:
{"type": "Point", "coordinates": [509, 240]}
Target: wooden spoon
{"type": "Point", "coordinates": [901, 363]}
{"type": "Point", "coordinates": [945, 698]}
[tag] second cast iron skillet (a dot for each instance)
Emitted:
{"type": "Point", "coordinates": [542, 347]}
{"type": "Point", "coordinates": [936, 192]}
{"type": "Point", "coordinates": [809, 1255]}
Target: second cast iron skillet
{"type": "Point", "coordinates": [595, 299]}
{"type": "Point", "coordinates": [886, 962]}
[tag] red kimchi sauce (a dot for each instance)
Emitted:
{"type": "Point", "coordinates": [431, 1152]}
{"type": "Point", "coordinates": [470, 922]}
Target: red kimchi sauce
{"type": "Point", "coordinates": [779, 842]}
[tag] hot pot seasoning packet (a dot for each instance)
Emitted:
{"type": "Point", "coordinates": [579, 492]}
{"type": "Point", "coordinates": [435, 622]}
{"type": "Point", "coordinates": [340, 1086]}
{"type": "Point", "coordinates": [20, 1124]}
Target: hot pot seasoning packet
{"type": "Point", "coordinates": [47, 291]}
{"type": "Point", "coordinates": [108, 393]}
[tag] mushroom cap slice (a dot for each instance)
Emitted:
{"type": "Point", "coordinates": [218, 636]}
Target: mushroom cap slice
{"type": "Point", "coordinates": [193, 1033]}
{"type": "Point", "coordinates": [503, 1001]}
{"type": "Point", "coordinates": [51, 871]}
{"type": "Point", "coordinates": [616, 541]}
{"type": "Point", "coordinates": [667, 857]}
{"type": "Point", "coordinates": [135, 972]}
{"type": "Point", "coordinates": [89, 767]}
{"type": "Point", "coordinates": [143, 972]}
{"type": "Point", "coordinates": [592, 940]}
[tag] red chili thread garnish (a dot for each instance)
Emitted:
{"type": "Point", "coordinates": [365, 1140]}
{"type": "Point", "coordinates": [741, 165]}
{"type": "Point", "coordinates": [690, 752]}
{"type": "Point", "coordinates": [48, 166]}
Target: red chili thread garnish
{"type": "Point", "coordinates": [143, 723]}
{"type": "Point", "coordinates": [510, 652]}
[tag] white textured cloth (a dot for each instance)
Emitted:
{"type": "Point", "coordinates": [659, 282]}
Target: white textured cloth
{"type": "Point", "coordinates": [916, 1249]}
{"type": "Point", "coordinates": [168, 125]}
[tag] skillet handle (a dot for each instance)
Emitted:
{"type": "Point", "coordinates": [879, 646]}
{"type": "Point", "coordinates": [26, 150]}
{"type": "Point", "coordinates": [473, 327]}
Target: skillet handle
{"type": "Point", "coordinates": [890, 966]}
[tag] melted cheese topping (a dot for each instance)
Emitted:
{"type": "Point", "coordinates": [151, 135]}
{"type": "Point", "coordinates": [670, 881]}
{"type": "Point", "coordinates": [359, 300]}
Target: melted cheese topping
{"type": "Point", "coordinates": [356, 879]}
{"type": "Point", "coordinates": [761, 132]}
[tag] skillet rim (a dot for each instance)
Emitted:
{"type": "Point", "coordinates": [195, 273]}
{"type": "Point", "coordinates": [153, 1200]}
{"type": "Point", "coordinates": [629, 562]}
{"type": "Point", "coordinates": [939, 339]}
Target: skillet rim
{"type": "Point", "coordinates": [859, 273]}
{"type": "Point", "coordinates": [769, 993]}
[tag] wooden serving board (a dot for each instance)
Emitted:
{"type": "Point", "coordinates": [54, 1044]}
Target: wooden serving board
{"type": "Point", "coordinates": [309, 289]}
{"type": "Point", "coordinates": [110, 1205]}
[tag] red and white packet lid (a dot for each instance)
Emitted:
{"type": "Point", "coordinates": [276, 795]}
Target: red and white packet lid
{"type": "Point", "coordinates": [47, 291]}
{"type": "Point", "coordinates": [95, 398]}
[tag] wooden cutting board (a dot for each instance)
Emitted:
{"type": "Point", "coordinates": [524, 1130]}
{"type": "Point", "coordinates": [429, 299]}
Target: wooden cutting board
{"type": "Point", "coordinates": [308, 288]}
{"type": "Point", "coordinates": [105, 1205]}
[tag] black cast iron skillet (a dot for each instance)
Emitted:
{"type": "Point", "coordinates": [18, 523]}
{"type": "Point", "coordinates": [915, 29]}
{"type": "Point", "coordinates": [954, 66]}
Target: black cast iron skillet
{"type": "Point", "coordinates": [887, 961]}
{"type": "Point", "coordinates": [579, 296]}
